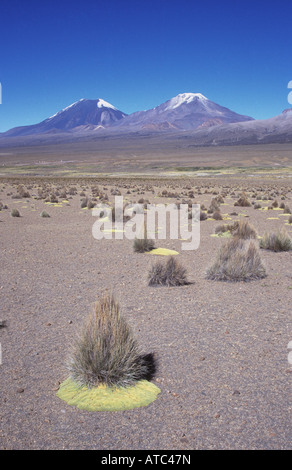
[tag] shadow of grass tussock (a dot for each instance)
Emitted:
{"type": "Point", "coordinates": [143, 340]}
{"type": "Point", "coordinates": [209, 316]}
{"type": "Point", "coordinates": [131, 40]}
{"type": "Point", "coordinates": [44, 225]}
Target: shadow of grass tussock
{"type": "Point", "coordinates": [106, 351]}
{"type": "Point", "coordinates": [237, 260]}
{"type": "Point", "coordinates": [169, 274]}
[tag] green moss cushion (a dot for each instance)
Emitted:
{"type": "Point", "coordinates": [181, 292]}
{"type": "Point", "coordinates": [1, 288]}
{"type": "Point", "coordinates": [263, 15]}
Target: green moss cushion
{"type": "Point", "coordinates": [103, 398]}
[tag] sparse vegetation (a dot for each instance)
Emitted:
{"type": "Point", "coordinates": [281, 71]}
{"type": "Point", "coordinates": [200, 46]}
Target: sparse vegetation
{"type": "Point", "coordinates": [241, 229]}
{"type": "Point", "coordinates": [106, 351]}
{"type": "Point", "coordinates": [243, 201]}
{"type": "Point", "coordinates": [237, 260]}
{"type": "Point", "coordinates": [171, 273]}
{"type": "Point", "coordinates": [15, 213]}
{"type": "Point", "coordinates": [142, 245]}
{"type": "Point", "coordinates": [279, 241]}
{"type": "Point", "coordinates": [45, 214]}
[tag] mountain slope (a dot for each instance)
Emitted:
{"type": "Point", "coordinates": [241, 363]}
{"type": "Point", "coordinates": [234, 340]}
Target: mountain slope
{"type": "Point", "coordinates": [186, 111]}
{"type": "Point", "coordinates": [82, 115]}
{"type": "Point", "coordinates": [274, 130]}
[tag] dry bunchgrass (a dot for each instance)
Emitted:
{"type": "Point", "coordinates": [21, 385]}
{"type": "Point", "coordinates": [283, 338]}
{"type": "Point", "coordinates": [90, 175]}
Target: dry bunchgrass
{"type": "Point", "coordinates": [44, 214]}
{"type": "Point", "coordinates": [243, 201]}
{"type": "Point", "coordinates": [142, 245]}
{"type": "Point", "coordinates": [241, 229]}
{"type": "Point", "coordinates": [106, 351]}
{"type": "Point", "coordinates": [237, 260]}
{"type": "Point", "coordinates": [15, 213]}
{"type": "Point", "coordinates": [170, 274]}
{"type": "Point", "coordinates": [279, 241]}
{"type": "Point", "coordinates": [244, 230]}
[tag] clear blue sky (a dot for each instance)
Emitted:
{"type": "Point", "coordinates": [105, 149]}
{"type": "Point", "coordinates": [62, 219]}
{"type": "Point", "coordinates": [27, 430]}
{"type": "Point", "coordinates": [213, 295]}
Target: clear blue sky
{"type": "Point", "coordinates": [136, 54]}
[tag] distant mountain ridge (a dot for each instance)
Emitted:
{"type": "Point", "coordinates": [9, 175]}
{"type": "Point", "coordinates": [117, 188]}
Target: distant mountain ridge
{"type": "Point", "coordinates": [186, 111]}
{"type": "Point", "coordinates": [81, 115]}
{"type": "Point", "coordinates": [190, 118]}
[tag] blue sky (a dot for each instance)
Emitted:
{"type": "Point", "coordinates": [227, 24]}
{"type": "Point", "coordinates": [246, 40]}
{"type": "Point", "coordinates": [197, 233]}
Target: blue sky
{"type": "Point", "coordinates": [137, 54]}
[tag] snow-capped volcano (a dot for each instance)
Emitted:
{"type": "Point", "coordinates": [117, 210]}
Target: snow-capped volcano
{"type": "Point", "coordinates": [186, 111]}
{"type": "Point", "coordinates": [83, 114]}
{"type": "Point", "coordinates": [184, 98]}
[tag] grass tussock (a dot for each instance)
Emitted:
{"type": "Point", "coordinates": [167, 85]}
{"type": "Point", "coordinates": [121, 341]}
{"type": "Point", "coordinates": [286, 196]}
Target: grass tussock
{"type": "Point", "coordinates": [170, 274]}
{"type": "Point", "coordinates": [241, 229]}
{"type": "Point", "coordinates": [142, 245]}
{"type": "Point", "coordinates": [45, 214]}
{"type": "Point", "coordinates": [15, 213]}
{"type": "Point", "coordinates": [243, 201]}
{"type": "Point", "coordinates": [279, 241]}
{"type": "Point", "coordinates": [237, 260]}
{"type": "Point", "coordinates": [106, 351]}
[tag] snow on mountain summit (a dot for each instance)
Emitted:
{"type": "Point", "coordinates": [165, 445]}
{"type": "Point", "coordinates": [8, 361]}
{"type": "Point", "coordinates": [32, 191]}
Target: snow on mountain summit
{"type": "Point", "coordinates": [104, 104]}
{"type": "Point", "coordinates": [83, 115]}
{"type": "Point", "coordinates": [184, 98]}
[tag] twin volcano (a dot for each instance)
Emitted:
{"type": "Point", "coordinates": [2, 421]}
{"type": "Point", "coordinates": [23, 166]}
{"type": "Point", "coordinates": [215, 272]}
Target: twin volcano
{"type": "Point", "coordinates": [186, 111]}
{"type": "Point", "coordinates": [190, 117]}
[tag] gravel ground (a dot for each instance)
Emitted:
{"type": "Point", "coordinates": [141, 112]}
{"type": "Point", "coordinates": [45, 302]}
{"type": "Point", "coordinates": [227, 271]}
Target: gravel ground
{"type": "Point", "coordinates": [223, 369]}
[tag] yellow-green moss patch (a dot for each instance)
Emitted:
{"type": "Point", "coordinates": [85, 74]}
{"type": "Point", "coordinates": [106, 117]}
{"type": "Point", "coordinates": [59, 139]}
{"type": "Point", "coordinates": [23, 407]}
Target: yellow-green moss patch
{"type": "Point", "coordinates": [222, 234]}
{"type": "Point", "coordinates": [104, 398]}
{"type": "Point", "coordinates": [163, 252]}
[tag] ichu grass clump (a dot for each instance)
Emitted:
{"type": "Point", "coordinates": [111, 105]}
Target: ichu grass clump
{"type": "Point", "coordinates": [106, 351]}
{"type": "Point", "coordinates": [279, 241]}
{"type": "Point", "coordinates": [241, 229]}
{"type": "Point", "coordinates": [170, 274]}
{"type": "Point", "coordinates": [142, 245]}
{"type": "Point", "coordinates": [243, 201]}
{"type": "Point", "coordinates": [15, 213]}
{"type": "Point", "coordinates": [45, 214]}
{"type": "Point", "coordinates": [237, 260]}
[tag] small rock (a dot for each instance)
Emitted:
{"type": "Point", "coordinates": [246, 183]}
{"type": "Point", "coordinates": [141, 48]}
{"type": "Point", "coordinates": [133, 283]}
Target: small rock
{"type": "Point", "coordinates": [20, 390]}
{"type": "Point", "coordinates": [236, 392]}
{"type": "Point", "coordinates": [2, 323]}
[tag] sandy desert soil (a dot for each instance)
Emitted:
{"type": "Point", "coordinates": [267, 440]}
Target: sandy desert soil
{"type": "Point", "coordinates": [223, 365]}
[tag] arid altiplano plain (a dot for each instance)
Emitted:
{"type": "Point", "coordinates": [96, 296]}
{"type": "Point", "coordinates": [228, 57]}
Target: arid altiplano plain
{"type": "Point", "coordinates": [221, 347]}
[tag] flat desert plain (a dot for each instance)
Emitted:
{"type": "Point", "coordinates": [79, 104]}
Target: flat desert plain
{"type": "Point", "coordinates": [222, 347]}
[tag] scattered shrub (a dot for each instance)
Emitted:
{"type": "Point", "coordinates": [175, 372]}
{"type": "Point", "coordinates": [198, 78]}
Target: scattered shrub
{"type": "Point", "coordinates": [243, 201]}
{"type": "Point", "coordinates": [237, 260]}
{"type": "Point", "coordinates": [106, 351]}
{"type": "Point", "coordinates": [217, 215]}
{"type": "Point", "coordinates": [243, 230]}
{"type": "Point", "coordinates": [90, 204]}
{"type": "Point", "coordinates": [44, 214]}
{"type": "Point", "coordinates": [168, 274]}
{"type": "Point", "coordinates": [15, 213]}
{"type": "Point", "coordinates": [84, 202]}
{"type": "Point", "coordinates": [203, 215]}
{"type": "Point", "coordinates": [142, 245]}
{"type": "Point", "coordinates": [279, 241]}
{"type": "Point", "coordinates": [214, 206]}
